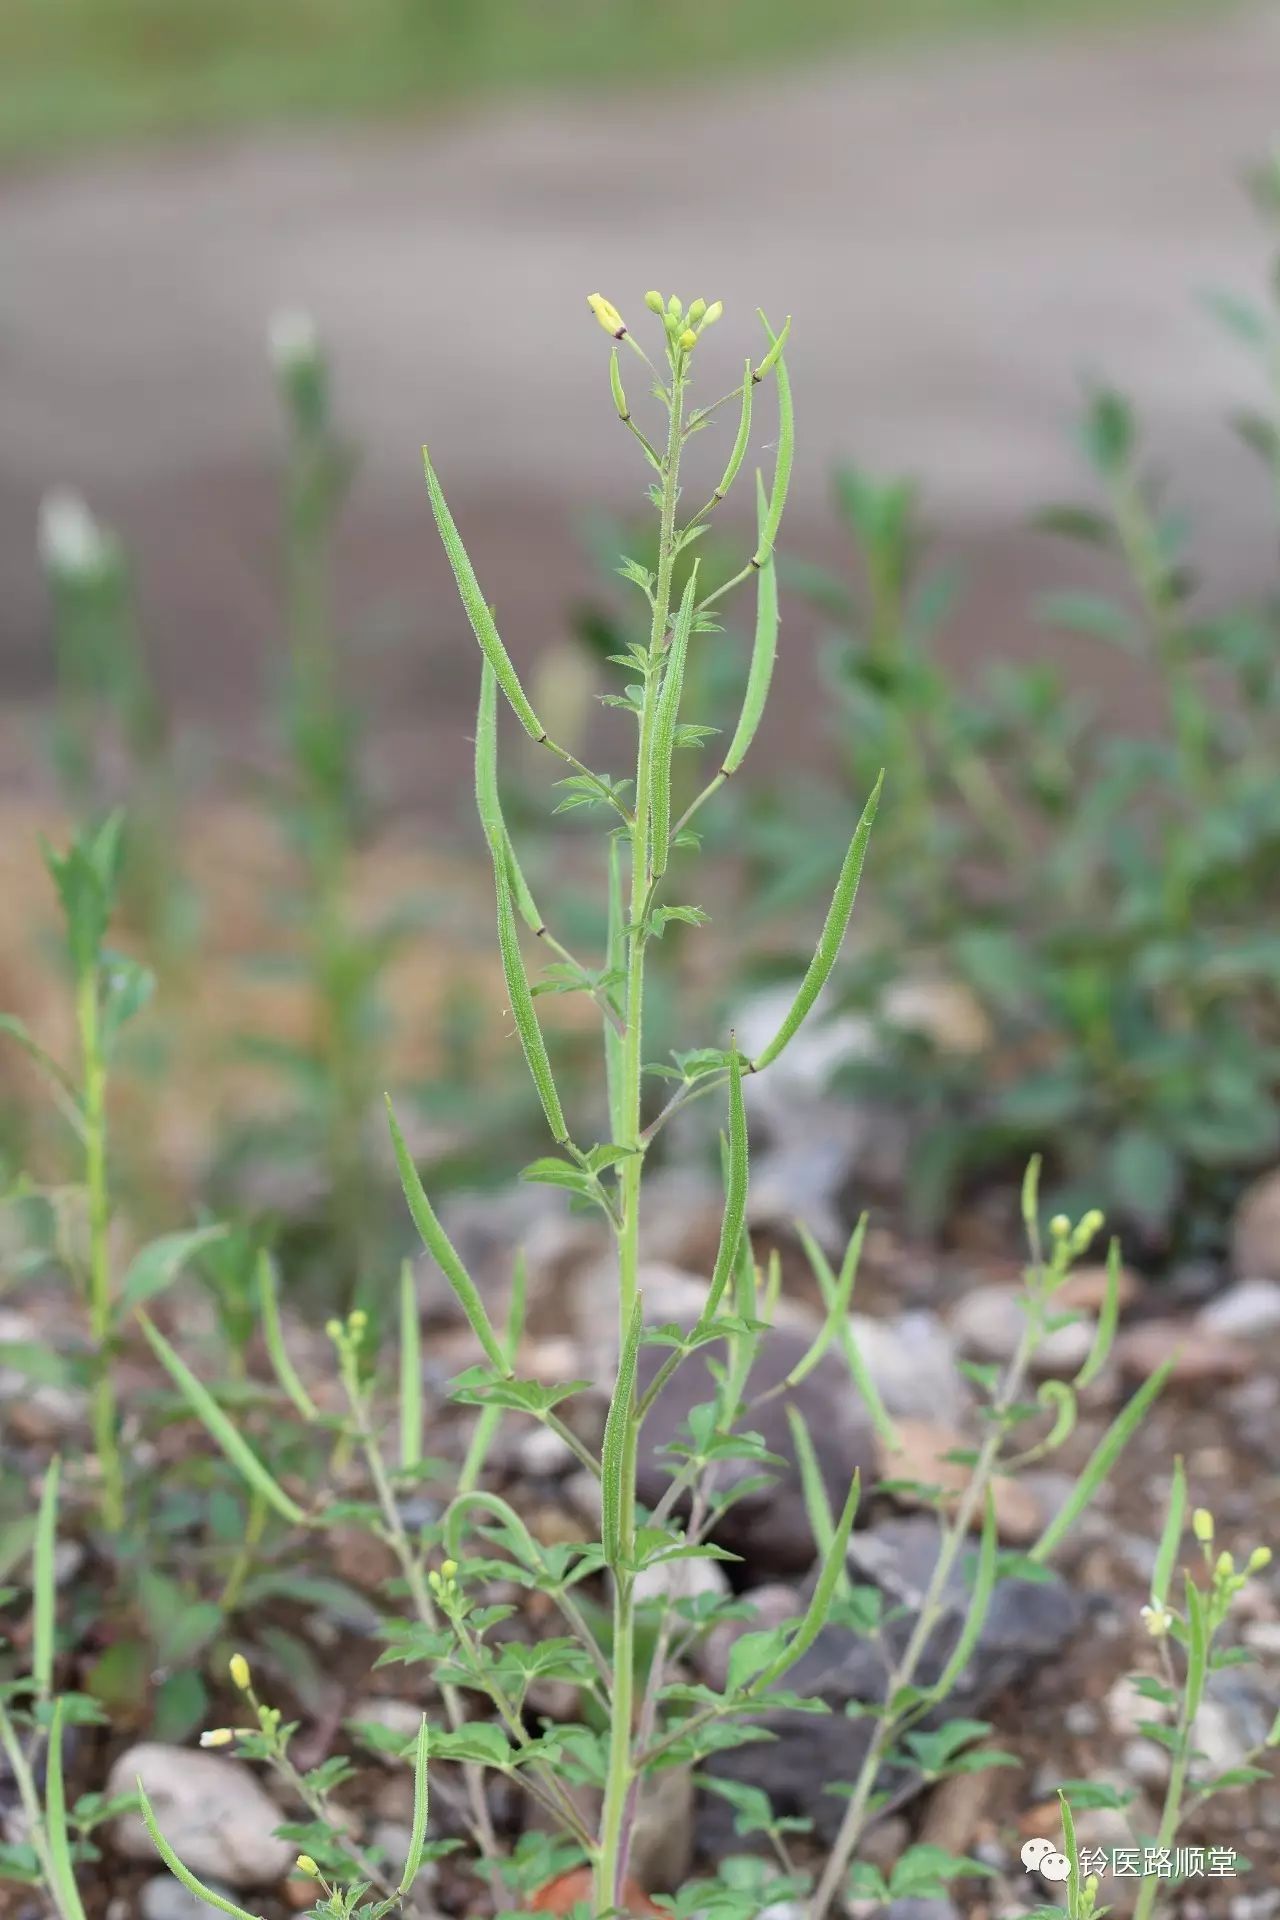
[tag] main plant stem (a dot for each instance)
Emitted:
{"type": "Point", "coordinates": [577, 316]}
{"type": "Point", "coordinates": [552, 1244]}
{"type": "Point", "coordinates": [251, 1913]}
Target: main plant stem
{"type": "Point", "coordinates": [106, 1442]}
{"type": "Point", "coordinates": [611, 1865]}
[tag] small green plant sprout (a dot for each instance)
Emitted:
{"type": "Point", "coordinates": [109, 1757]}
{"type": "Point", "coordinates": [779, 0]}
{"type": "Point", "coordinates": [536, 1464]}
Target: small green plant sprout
{"type": "Point", "coordinates": [56, 1838]}
{"type": "Point", "coordinates": [338, 1072]}
{"type": "Point", "coordinates": [1188, 1618]}
{"type": "Point", "coordinates": [620, 1652]}
{"type": "Point", "coordinates": [110, 735]}
{"type": "Point", "coordinates": [909, 1697]}
{"type": "Point", "coordinates": [110, 989]}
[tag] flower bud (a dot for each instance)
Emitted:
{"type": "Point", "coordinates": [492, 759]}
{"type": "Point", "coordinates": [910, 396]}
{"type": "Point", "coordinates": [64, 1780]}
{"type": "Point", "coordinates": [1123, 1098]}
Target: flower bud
{"type": "Point", "coordinates": [217, 1737]}
{"type": "Point", "coordinates": [1059, 1226]}
{"type": "Point", "coordinates": [238, 1667]}
{"type": "Point", "coordinates": [448, 1568]}
{"type": "Point", "coordinates": [673, 305]}
{"type": "Point", "coordinates": [696, 312]}
{"type": "Point", "coordinates": [1225, 1566]}
{"type": "Point", "coordinates": [607, 314]}
{"type": "Point", "coordinates": [334, 1329]}
{"type": "Point", "coordinates": [688, 339]}
{"type": "Point", "coordinates": [69, 539]}
{"type": "Point", "coordinates": [1202, 1525]}
{"type": "Point", "coordinates": [713, 313]}
{"type": "Point", "coordinates": [1260, 1557]}
{"type": "Point", "coordinates": [655, 303]}
{"type": "Point", "coordinates": [293, 338]}
{"type": "Point", "coordinates": [358, 1320]}
{"type": "Point", "coordinates": [305, 1864]}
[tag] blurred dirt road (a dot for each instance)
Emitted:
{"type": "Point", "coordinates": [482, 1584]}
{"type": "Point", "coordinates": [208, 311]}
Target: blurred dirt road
{"type": "Point", "coordinates": [961, 236]}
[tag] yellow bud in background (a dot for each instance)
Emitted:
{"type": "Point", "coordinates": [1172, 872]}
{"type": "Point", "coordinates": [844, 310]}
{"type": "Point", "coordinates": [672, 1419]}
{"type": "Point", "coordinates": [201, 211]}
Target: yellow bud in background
{"type": "Point", "coordinates": [607, 314]}
{"type": "Point", "coordinates": [713, 313]}
{"type": "Point", "coordinates": [673, 305]}
{"type": "Point", "coordinates": [696, 312]}
{"type": "Point", "coordinates": [688, 339]}
{"type": "Point", "coordinates": [305, 1864]}
{"type": "Point", "coordinates": [358, 1320]}
{"type": "Point", "coordinates": [448, 1568]}
{"type": "Point", "coordinates": [241, 1677]}
{"type": "Point", "coordinates": [1202, 1525]}
{"type": "Point", "coordinates": [1260, 1557]}
{"type": "Point", "coordinates": [655, 303]}
{"type": "Point", "coordinates": [1225, 1567]}
{"type": "Point", "coordinates": [217, 1737]}
{"type": "Point", "coordinates": [334, 1329]}
{"type": "Point", "coordinates": [1059, 1226]}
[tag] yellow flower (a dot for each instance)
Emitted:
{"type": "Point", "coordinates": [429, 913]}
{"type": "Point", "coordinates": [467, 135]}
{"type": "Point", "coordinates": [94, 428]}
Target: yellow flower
{"type": "Point", "coordinates": [1157, 1620]}
{"type": "Point", "coordinates": [1202, 1525]}
{"type": "Point", "coordinates": [607, 314]}
{"type": "Point", "coordinates": [240, 1675]}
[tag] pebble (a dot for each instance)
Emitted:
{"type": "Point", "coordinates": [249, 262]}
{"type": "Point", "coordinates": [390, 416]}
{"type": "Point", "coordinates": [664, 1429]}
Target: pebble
{"type": "Point", "coordinates": [165, 1898]}
{"type": "Point", "coordinates": [213, 1812]}
{"type": "Point", "coordinates": [1200, 1358]}
{"type": "Point", "coordinates": [682, 1580]}
{"type": "Point", "coordinates": [987, 1324]}
{"type": "Point", "coordinates": [1255, 1233]}
{"type": "Point", "coordinates": [912, 1362]}
{"type": "Point", "coordinates": [1245, 1311]}
{"type": "Point", "coordinates": [924, 1447]}
{"type": "Point", "coordinates": [399, 1717]}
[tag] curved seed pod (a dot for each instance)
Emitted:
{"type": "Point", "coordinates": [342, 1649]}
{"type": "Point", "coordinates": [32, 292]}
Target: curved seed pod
{"type": "Point", "coordinates": [979, 1602]}
{"type": "Point", "coordinates": [521, 999]}
{"type": "Point", "coordinates": [1101, 1460]}
{"type": "Point", "coordinates": [819, 1609]}
{"type": "Point", "coordinates": [832, 935]}
{"type": "Point", "coordinates": [786, 453]}
{"type": "Point", "coordinates": [763, 652]}
{"type": "Point", "coordinates": [730, 473]}
{"type": "Point", "coordinates": [440, 1247]}
{"type": "Point", "coordinates": [182, 1873]}
{"type": "Point", "coordinates": [664, 729]}
{"type": "Point", "coordinates": [477, 608]}
{"type": "Point", "coordinates": [418, 1830]}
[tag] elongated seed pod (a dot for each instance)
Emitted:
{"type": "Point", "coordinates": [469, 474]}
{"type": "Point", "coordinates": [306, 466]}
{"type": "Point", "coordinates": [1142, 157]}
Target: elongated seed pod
{"type": "Point", "coordinates": [521, 1000]}
{"type": "Point", "coordinates": [614, 1529]}
{"type": "Point", "coordinates": [615, 387]}
{"type": "Point", "coordinates": [615, 963]}
{"type": "Point", "coordinates": [775, 351]}
{"type": "Point", "coordinates": [782, 465]}
{"type": "Point", "coordinates": [666, 720]}
{"type": "Point", "coordinates": [441, 1248]}
{"type": "Point", "coordinates": [730, 473]}
{"type": "Point", "coordinates": [764, 652]}
{"type": "Point", "coordinates": [477, 608]}
{"type": "Point", "coordinates": [421, 1808]}
{"type": "Point", "coordinates": [979, 1601]}
{"type": "Point", "coordinates": [44, 1583]}
{"type": "Point", "coordinates": [410, 1372]}
{"type": "Point", "coordinates": [818, 1611]}
{"type": "Point", "coordinates": [273, 1334]}
{"type": "Point", "coordinates": [737, 1173]}
{"type": "Point", "coordinates": [489, 802]}
{"type": "Point", "coordinates": [833, 932]}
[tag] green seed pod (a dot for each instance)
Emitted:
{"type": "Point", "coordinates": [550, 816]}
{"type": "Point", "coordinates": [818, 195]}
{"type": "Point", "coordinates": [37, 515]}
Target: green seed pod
{"type": "Point", "coordinates": [615, 384]}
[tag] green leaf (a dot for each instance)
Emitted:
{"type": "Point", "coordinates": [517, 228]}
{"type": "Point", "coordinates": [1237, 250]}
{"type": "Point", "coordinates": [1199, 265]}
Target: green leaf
{"type": "Point", "coordinates": [1100, 1462]}
{"type": "Point", "coordinates": [66, 1893]}
{"type": "Point", "coordinates": [1144, 1175]}
{"type": "Point", "coordinates": [1171, 1536]}
{"type": "Point", "coordinates": [160, 1262]}
{"type": "Point", "coordinates": [477, 609]}
{"type": "Point", "coordinates": [219, 1427]}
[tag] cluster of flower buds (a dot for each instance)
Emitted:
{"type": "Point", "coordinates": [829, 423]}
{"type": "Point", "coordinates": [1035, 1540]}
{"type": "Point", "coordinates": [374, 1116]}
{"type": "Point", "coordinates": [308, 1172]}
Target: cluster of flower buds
{"type": "Point", "coordinates": [268, 1727]}
{"type": "Point", "coordinates": [348, 1335]}
{"type": "Point", "coordinates": [1070, 1242]}
{"type": "Point", "coordinates": [683, 328]}
{"type": "Point", "coordinates": [1226, 1581]}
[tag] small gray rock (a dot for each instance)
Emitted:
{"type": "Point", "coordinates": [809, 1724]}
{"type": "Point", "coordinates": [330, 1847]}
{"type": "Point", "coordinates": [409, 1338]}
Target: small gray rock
{"type": "Point", "coordinates": [912, 1909]}
{"type": "Point", "coordinates": [165, 1898]}
{"type": "Point", "coordinates": [217, 1818]}
{"type": "Point", "coordinates": [912, 1361]}
{"type": "Point", "coordinates": [769, 1528]}
{"type": "Point", "coordinates": [1245, 1311]}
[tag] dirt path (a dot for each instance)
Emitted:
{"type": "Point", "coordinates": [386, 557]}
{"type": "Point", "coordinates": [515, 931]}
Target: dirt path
{"type": "Point", "coordinates": [960, 236]}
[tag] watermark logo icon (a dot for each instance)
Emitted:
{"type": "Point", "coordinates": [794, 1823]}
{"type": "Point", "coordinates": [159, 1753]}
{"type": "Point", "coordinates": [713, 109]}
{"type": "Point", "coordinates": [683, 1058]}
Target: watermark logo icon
{"type": "Point", "coordinates": [1042, 1857]}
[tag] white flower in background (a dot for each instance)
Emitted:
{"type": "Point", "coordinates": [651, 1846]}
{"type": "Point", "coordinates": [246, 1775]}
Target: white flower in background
{"type": "Point", "coordinates": [69, 539]}
{"type": "Point", "coordinates": [1157, 1619]}
{"type": "Point", "coordinates": [293, 337]}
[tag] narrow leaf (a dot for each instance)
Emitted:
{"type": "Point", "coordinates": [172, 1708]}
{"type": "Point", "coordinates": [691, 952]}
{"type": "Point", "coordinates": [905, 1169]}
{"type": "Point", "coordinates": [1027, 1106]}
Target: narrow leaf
{"type": "Point", "coordinates": [157, 1265]}
{"type": "Point", "coordinates": [65, 1891]}
{"type": "Point", "coordinates": [521, 1000]}
{"type": "Point", "coordinates": [44, 1583]}
{"type": "Point", "coordinates": [219, 1427]}
{"type": "Point", "coordinates": [979, 1602]}
{"type": "Point", "coordinates": [477, 609]}
{"type": "Point", "coordinates": [273, 1334]}
{"type": "Point", "coordinates": [1171, 1537]}
{"type": "Point", "coordinates": [441, 1249]}
{"type": "Point", "coordinates": [1107, 1322]}
{"type": "Point", "coordinates": [837, 1304]}
{"type": "Point", "coordinates": [833, 1567]}
{"type": "Point", "coordinates": [410, 1372]}
{"type": "Point", "coordinates": [1101, 1461]}
{"type": "Point", "coordinates": [822, 1522]}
